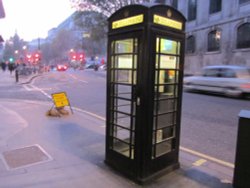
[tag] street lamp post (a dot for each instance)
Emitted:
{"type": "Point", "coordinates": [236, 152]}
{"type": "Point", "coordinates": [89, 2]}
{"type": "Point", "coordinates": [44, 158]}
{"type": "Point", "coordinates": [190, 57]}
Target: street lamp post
{"type": "Point", "coordinates": [24, 54]}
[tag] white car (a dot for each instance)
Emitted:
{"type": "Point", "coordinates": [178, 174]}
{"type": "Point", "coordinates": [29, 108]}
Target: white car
{"type": "Point", "coordinates": [229, 80]}
{"type": "Point", "coordinates": [103, 67]}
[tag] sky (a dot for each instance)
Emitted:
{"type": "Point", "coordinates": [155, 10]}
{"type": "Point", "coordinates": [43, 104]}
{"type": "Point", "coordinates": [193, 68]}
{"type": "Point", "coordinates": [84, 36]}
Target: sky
{"type": "Point", "coordinates": [32, 19]}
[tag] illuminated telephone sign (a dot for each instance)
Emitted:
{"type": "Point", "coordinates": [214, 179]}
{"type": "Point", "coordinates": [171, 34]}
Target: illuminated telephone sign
{"type": "Point", "coordinates": [167, 22]}
{"type": "Point", "coordinates": [127, 21]}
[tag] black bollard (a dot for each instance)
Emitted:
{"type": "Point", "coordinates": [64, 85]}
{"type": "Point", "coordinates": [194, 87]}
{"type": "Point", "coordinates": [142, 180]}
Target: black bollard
{"type": "Point", "coordinates": [242, 160]}
{"type": "Point", "coordinates": [17, 76]}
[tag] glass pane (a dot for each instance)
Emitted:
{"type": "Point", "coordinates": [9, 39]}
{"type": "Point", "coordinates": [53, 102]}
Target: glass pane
{"type": "Point", "coordinates": [168, 133]}
{"type": "Point", "coordinates": [190, 45]}
{"type": "Point", "coordinates": [157, 62]}
{"type": "Point", "coordinates": [167, 91]}
{"type": "Point", "coordinates": [243, 37]}
{"type": "Point", "coordinates": [121, 147]}
{"type": "Point", "coordinates": [192, 6]}
{"type": "Point", "coordinates": [112, 61]}
{"type": "Point", "coordinates": [244, 1]}
{"type": "Point", "coordinates": [123, 106]}
{"type": "Point", "coordinates": [112, 47]}
{"type": "Point", "coordinates": [163, 134]}
{"type": "Point", "coordinates": [112, 75]}
{"type": "Point", "coordinates": [165, 120]}
{"type": "Point", "coordinates": [124, 62]}
{"type": "Point", "coordinates": [156, 78]}
{"type": "Point", "coordinates": [157, 44]}
{"type": "Point", "coordinates": [164, 147]}
{"type": "Point", "coordinates": [169, 47]}
{"type": "Point", "coordinates": [132, 152]}
{"type": "Point", "coordinates": [136, 45]}
{"type": "Point", "coordinates": [168, 62]}
{"type": "Point", "coordinates": [124, 91]}
{"type": "Point", "coordinates": [135, 61]}
{"type": "Point", "coordinates": [215, 6]}
{"type": "Point", "coordinates": [122, 120]}
{"type": "Point", "coordinates": [214, 40]}
{"type": "Point", "coordinates": [124, 46]}
{"type": "Point", "coordinates": [167, 77]}
{"type": "Point", "coordinates": [134, 78]}
{"type": "Point", "coordinates": [123, 76]}
{"type": "Point", "coordinates": [122, 134]}
{"type": "Point", "coordinates": [164, 106]}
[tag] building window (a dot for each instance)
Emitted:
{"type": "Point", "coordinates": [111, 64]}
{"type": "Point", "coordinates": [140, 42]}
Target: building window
{"type": "Point", "coordinates": [190, 44]}
{"type": "Point", "coordinates": [175, 3]}
{"type": "Point", "coordinates": [214, 41]}
{"type": "Point", "coordinates": [192, 6]}
{"type": "Point", "coordinates": [243, 36]}
{"type": "Point", "coordinates": [215, 6]}
{"type": "Point", "coordinates": [243, 1]}
{"type": "Point", "coordinates": [160, 1]}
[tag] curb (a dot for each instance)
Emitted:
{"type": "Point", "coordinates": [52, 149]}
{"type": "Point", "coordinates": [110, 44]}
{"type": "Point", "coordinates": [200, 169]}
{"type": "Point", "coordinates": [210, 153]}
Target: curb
{"type": "Point", "coordinates": [30, 79]}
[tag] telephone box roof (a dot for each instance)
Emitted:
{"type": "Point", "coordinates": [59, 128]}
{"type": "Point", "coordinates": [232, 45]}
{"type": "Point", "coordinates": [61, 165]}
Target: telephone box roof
{"type": "Point", "coordinates": [147, 6]}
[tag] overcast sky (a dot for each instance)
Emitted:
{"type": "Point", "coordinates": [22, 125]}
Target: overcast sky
{"type": "Point", "coordinates": [33, 18]}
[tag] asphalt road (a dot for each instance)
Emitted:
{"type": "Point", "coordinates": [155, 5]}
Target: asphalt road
{"type": "Point", "coordinates": [209, 122]}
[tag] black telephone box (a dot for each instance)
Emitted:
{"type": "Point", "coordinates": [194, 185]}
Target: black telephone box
{"type": "Point", "coordinates": [144, 90]}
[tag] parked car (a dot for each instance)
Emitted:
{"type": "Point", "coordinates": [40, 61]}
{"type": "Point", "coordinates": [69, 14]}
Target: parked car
{"type": "Point", "coordinates": [24, 70]}
{"type": "Point", "coordinates": [228, 80]}
{"type": "Point", "coordinates": [103, 67]}
{"type": "Point", "coordinates": [90, 66]}
{"type": "Point", "coordinates": [61, 67]}
{"type": "Point", "coordinates": [248, 70]}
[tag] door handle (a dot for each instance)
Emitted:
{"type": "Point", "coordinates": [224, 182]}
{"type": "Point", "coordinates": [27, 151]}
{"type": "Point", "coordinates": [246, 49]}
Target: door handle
{"type": "Point", "coordinates": [138, 101]}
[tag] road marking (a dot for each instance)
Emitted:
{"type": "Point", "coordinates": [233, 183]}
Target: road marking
{"type": "Point", "coordinates": [225, 181]}
{"type": "Point", "coordinates": [74, 77]}
{"type": "Point", "coordinates": [201, 155]}
{"type": "Point", "coordinates": [82, 81]}
{"type": "Point", "coordinates": [27, 88]}
{"type": "Point", "coordinates": [89, 113]}
{"type": "Point", "coordinates": [221, 162]}
{"type": "Point", "coordinates": [199, 162]}
{"type": "Point", "coordinates": [32, 87]}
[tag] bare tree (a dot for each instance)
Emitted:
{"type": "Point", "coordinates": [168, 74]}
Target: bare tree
{"type": "Point", "coordinates": [57, 49]}
{"type": "Point", "coordinates": [15, 43]}
{"type": "Point", "coordinates": [105, 7]}
{"type": "Point", "coordinates": [91, 16]}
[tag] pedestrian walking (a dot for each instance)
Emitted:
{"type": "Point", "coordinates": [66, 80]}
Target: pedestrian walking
{"type": "Point", "coordinates": [3, 66]}
{"type": "Point", "coordinates": [11, 67]}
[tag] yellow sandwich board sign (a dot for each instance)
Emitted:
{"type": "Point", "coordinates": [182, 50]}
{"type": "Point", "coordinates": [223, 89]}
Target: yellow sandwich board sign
{"type": "Point", "coordinates": [60, 99]}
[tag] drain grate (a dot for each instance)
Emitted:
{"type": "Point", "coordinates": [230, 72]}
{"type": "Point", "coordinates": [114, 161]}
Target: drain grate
{"type": "Point", "coordinates": [26, 156]}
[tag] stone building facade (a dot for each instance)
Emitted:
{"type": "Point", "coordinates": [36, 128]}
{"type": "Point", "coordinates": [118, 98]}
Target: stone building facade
{"type": "Point", "coordinates": [217, 32]}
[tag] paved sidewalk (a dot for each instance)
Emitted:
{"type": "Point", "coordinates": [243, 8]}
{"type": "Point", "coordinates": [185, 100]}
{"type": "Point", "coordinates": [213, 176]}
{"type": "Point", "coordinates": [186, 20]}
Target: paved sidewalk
{"type": "Point", "coordinates": [38, 151]}
{"type": "Point", "coordinates": [7, 78]}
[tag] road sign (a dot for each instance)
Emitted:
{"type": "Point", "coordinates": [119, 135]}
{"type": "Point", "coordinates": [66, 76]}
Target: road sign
{"type": "Point", "coordinates": [60, 99]}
